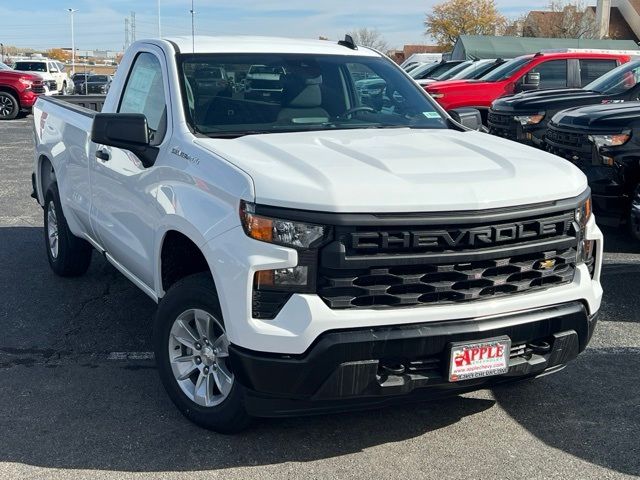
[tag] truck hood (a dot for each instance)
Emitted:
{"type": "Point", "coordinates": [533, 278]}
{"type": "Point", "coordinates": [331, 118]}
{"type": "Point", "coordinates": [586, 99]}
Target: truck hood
{"type": "Point", "coordinates": [610, 118]}
{"type": "Point", "coordinates": [397, 170]}
{"type": "Point", "coordinates": [544, 100]}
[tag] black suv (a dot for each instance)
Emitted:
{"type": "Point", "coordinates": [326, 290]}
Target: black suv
{"type": "Point", "coordinates": [524, 117]}
{"type": "Point", "coordinates": [604, 142]}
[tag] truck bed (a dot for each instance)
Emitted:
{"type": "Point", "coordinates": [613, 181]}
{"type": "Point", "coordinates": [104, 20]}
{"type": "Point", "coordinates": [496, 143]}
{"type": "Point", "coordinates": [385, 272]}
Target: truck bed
{"type": "Point", "coordinates": [85, 104]}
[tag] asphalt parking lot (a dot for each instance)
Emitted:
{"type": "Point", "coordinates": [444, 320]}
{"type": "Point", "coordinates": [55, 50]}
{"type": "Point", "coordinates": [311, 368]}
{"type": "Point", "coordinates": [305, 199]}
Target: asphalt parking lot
{"type": "Point", "coordinates": [80, 397]}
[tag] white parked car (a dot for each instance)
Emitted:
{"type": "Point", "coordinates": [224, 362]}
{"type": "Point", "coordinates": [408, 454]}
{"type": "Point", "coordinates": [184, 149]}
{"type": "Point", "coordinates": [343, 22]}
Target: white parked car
{"type": "Point", "coordinates": [53, 73]}
{"type": "Point", "coordinates": [313, 253]}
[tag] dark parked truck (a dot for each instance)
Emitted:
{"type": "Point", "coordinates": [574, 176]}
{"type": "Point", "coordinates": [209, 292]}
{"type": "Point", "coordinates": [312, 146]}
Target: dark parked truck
{"type": "Point", "coordinates": [525, 117]}
{"type": "Point", "coordinates": [604, 141]}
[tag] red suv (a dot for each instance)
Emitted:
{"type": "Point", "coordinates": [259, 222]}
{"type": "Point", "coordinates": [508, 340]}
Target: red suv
{"type": "Point", "coordinates": [529, 72]}
{"type": "Point", "coordinates": [18, 91]}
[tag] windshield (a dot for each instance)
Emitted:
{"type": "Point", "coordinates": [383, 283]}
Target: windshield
{"type": "Point", "coordinates": [31, 66]}
{"type": "Point", "coordinates": [477, 70]}
{"type": "Point", "coordinates": [423, 70]}
{"type": "Point", "coordinates": [264, 93]}
{"type": "Point", "coordinates": [505, 70]}
{"type": "Point", "coordinates": [98, 78]}
{"type": "Point", "coordinates": [4, 66]}
{"type": "Point", "coordinates": [434, 71]}
{"type": "Point", "coordinates": [618, 80]}
{"type": "Point", "coordinates": [452, 71]}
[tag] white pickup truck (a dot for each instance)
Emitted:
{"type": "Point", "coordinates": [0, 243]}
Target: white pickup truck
{"type": "Point", "coordinates": [317, 252]}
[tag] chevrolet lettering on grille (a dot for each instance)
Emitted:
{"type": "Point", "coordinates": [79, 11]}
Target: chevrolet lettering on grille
{"type": "Point", "coordinates": [460, 238]}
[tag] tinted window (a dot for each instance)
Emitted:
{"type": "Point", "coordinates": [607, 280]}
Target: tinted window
{"type": "Point", "coordinates": [505, 70]}
{"type": "Point", "coordinates": [264, 93]}
{"type": "Point", "coordinates": [592, 69]}
{"type": "Point", "coordinates": [617, 81]}
{"type": "Point", "coordinates": [98, 78]}
{"type": "Point", "coordinates": [440, 69]}
{"type": "Point", "coordinates": [31, 66]}
{"type": "Point", "coordinates": [553, 74]}
{"type": "Point", "coordinates": [144, 93]}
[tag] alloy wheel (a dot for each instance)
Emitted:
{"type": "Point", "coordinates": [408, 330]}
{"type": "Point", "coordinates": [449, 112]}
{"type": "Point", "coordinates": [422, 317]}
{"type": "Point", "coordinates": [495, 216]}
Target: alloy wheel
{"type": "Point", "coordinates": [52, 229]}
{"type": "Point", "coordinates": [199, 357]}
{"type": "Point", "coordinates": [6, 106]}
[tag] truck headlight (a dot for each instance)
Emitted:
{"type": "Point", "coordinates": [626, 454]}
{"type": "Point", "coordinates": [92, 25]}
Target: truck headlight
{"type": "Point", "coordinates": [586, 247]}
{"type": "Point", "coordinates": [614, 140]}
{"type": "Point", "coordinates": [529, 119]}
{"type": "Point", "coordinates": [279, 231]}
{"type": "Point", "coordinates": [272, 288]}
{"type": "Point", "coordinates": [436, 95]}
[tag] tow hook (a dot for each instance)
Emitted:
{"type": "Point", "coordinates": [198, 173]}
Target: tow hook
{"type": "Point", "coordinates": [540, 347]}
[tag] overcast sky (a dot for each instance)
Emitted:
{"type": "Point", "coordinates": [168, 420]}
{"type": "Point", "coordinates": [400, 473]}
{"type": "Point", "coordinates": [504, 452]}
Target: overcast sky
{"type": "Point", "coordinates": [99, 24]}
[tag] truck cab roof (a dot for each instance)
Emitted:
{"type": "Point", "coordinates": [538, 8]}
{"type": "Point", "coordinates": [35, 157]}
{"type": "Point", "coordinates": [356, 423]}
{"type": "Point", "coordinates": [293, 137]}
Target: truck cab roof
{"type": "Point", "coordinates": [260, 44]}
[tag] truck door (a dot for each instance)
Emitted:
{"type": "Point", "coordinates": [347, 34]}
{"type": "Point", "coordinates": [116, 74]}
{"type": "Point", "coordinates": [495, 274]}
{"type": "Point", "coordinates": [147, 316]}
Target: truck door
{"type": "Point", "coordinates": [123, 205]}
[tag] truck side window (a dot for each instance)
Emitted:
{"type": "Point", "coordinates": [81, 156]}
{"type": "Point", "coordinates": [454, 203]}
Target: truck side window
{"type": "Point", "coordinates": [553, 74]}
{"type": "Point", "coordinates": [144, 93]}
{"type": "Point", "coordinates": [590, 69]}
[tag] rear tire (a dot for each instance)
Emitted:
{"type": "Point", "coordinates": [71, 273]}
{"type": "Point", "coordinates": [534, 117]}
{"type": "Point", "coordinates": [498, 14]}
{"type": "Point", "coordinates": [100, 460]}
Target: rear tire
{"type": "Point", "coordinates": [69, 256]}
{"type": "Point", "coordinates": [9, 106]}
{"type": "Point", "coordinates": [191, 352]}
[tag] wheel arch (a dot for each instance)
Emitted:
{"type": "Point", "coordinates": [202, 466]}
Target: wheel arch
{"type": "Point", "coordinates": [179, 253]}
{"type": "Point", "coordinates": [12, 91]}
{"type": "Point", "coordinates": [45, 176]}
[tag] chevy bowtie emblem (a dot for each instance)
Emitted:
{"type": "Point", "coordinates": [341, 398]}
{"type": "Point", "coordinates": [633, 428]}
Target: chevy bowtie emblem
{"type": "Point", "coordinates": [547, 264]}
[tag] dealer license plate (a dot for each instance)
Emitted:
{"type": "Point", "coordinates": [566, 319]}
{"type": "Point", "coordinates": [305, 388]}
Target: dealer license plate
{"type": "Point", "coordinates": [479, 359]}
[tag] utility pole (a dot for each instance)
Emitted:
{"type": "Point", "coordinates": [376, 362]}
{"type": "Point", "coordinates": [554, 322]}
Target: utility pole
{"type": "Point", "coordinates": [2, 52]}
{"type": "Point", "coordinates": [126, 33]}
{"type": "Point", "coordinates": [133, 27]}
{"type": "Point", "coordinates": [159, 22]}
{"type": "Point", "coordinates": [193, 30]}
{"type": "Point", "coordinates": [73, 42]}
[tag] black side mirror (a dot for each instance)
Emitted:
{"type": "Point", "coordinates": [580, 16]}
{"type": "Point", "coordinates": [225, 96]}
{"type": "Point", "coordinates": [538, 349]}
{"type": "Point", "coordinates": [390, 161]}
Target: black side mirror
{"type": "Point", "coordinates": [531, 81]}
{"type": "Point", "coordinates": [128, 131]}
{"type": "Point", "coordinates": [467, 117]}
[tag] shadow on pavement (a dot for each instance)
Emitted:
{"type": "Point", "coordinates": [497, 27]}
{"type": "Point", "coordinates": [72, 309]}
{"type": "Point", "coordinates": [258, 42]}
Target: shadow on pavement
{"type": "Point", "coordinates": [590, 410]}
{"type": "Point", "coordinates": [69, 409]}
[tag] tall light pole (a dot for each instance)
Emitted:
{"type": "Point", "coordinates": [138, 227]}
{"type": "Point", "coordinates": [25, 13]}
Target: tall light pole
{"type": "Point", "coordinates": [73, 42]}
{"type": "Point", "coordinates": [159, 22]}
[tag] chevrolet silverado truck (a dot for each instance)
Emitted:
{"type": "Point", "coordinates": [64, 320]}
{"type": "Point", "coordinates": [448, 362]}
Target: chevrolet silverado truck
{"type": "Point", "coordinates": [311, 253]}
{"type": "Point", "coordinates": [525, 117]}
{"type": "Point", "coordinates": [18, 92]}
{"type": "Point", "coordinates": [604, 142]}
{"type": "Point", "coordinates": [573, 68]}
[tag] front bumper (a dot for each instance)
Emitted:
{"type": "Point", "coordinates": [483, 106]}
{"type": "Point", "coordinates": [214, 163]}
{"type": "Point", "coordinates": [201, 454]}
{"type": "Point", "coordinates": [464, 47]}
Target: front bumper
{"type": "Point", "coordinates": [350, 369]}
{"type": "Point", "coordinates": [235, 258]}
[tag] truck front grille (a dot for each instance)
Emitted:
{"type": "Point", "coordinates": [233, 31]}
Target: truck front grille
{"type": "Point", "coordinates": [38, 88]}
{"type": "Point", "coordinates": [51, 85]}
{"type": "Point", "coordinates": [449, 282]}
{"type": "Point", "coordinates": [437, 264]}
{"type": "Point", "coordinates": [565, 139]}
{"type": "Point", "coordinates": [499, 119]}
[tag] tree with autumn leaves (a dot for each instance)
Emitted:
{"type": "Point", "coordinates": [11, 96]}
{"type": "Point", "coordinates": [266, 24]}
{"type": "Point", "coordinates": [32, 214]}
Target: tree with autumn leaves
{"type": "Point", "coordinates": [452, 18]}
{"type": "Point", "coordinates": [58, 54]}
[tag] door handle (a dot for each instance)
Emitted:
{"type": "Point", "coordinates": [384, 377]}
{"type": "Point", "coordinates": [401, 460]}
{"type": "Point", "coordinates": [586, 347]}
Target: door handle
{"type": "Point", "coordinates": [103, 155]}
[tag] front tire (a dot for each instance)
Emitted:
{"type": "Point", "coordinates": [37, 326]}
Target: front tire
{"type": "Point", "coordinates": [9, 106]}
{"type": "Point", "coordinates": [191, 351]}
{"type": "Point", "coordinates": [69, 256]}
